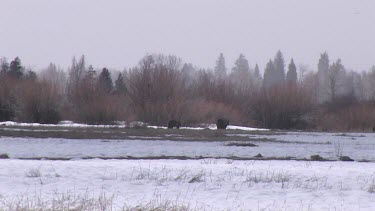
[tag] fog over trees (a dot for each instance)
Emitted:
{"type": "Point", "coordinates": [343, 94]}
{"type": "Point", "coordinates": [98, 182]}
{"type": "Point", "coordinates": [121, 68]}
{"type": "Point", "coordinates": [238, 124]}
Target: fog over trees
{"type": "Point", "coordinates": [163, 87]}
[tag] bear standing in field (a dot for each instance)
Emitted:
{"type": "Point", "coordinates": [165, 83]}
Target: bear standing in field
{"type": "Point", "coordinates": [222, 123]}
{"type": "Point", "coordinates": [174, 124]}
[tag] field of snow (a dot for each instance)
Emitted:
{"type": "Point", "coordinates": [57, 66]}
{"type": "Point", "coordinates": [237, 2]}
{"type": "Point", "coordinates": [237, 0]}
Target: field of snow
{"type": "Point", "coordinates": [299, 145]}
{"type": "Point", "coordinates": [199, 184]}
{"type": "Point", "coordinates": [204, 184]}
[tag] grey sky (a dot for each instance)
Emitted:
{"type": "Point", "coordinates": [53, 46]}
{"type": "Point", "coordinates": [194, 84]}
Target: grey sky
{"type": "Point", "coordinates": [117, 33]}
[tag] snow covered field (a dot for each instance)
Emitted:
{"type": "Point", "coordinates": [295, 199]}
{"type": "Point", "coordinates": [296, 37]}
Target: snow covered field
{"type": "Point", "coordinates": [205, 184]}
{"type": "Point", "coordinates": [293, 144]}
{"type": "Point", "coordinates": [199, 184]}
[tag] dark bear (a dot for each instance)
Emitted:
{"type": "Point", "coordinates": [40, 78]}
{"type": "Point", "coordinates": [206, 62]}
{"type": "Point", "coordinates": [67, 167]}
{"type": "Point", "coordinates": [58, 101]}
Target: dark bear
{"type": "Point", "coordinates": [222, 123]}
{"type": "Point", "coordinates": [174, 124]}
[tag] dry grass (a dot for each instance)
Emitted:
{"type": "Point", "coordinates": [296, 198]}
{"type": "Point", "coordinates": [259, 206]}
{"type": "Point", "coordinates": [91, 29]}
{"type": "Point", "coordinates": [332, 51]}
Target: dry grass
{"type": "Point", "coordinates": [87, 202]}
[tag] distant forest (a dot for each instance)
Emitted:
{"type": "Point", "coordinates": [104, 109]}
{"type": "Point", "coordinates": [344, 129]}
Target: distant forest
{"type": "Point", "coordinates": [161, 88]}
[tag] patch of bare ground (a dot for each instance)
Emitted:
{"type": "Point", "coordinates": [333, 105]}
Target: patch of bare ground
{"type": "Point", "coordinates": [128, 133]}
{"type": "Point", "coordinates": [240, 144]}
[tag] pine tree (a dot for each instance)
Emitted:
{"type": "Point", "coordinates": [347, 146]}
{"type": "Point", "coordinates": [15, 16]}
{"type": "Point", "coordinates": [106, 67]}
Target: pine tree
{"type": "Point", "coordinates": [291, 76]}
{"type": "Point", "coordinates": [323, 78]}
{"type": "Point", "coordinates": [4, 66]}
{"type": "Point", "coordinates": [90, 78]}
{"type": "Point", "coordinates": [269, 78]}
{"type": "Point", "coordinates": [30, 75]}
{"type": "Point", "coordinates": [220, 68]}
{"type": "Point", "coordinates": [323, 65]}
{"type": "Point", "coordinates": [279, 68]}
{"type": "Point", "coordinates": [16, 69]}
{"type": "Point", "coordinates": [91, 73]}
{"type": "Point", "coordinates": [120, 84]}
{"type": "Point", "coordinates": [256, 71]}
{"type": "Point", "coordinates": [105, 81]}
{"type": "Point", "coordinates": [241, 65]}
{"type": "Point", "coordinates": [257, 78]}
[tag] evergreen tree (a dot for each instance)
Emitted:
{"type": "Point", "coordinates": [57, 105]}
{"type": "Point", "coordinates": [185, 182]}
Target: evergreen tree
{"type": "Point", "coordinates": [241, 65]}
{"type": "Point", "coordinates": [291, 76]}
{"type": "Point", "coordinates": [323, 78]}
{"type": "Point", "coordinates": [220, 68]}
{"type": "Point", "coordinates": [30, 75]}
{"type": "Point", "coordinates": [105, 81]}
{"type": "Point", "coordinates": [323, 65]}
{"type": "Point", "coordinates": [4, 66]}
{"type": "Point", "coordinates": [91, 73]}
{"type": "Point", "coordinates": [256, 71]}
{"type": "Point", "coordinates": [120, 84]}
{"type": "Point", "coordinates": [90, 78]}
{"type": "Point", "coordinates": [269, 78]}
{"type": "Point", "coordinates": [16, 69]}
{"type": "Point", "coordinates": [257, 78]}
{"type": "Point", "coordinates": [279, 68]}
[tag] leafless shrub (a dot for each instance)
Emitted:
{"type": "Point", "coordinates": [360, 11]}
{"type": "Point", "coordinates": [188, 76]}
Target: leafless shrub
{"type": "Point", "coordinates": [352, 117]}
{"type": "Point", "coordinates": [59, 201]}
{"type": "Point", "coordinates": [203, 111]}
{"type": "Point", "coordinates": [159, 175]}
{"type": "Point", "coordinates": [156, 88]}
{"type": "Point", "coordinates": [37, 102]}
{"type": "Point", "coordinates": [267, 177]}
{"type": "Point", "coordinates": [281, 107]}
{"type": "Point", "coordinates": [33, 172]}
{"type": "Point", "coordinates": [6, 98]}
{"type": "Point", "coordinates": [209, 161]}
{"type": "Point", "coordinates": [338, 147]}
{"type": "Point", "coordinates": [312, 183]}
{"type": "Point", "coordinates": [371, 187]}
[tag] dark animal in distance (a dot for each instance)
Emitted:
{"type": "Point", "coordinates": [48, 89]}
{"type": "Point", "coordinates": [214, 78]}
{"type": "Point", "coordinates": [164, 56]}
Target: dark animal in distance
{"type": "Point", "coordinates": [174, 124]}
{"type": "Point", "coordinates": [222, 123]}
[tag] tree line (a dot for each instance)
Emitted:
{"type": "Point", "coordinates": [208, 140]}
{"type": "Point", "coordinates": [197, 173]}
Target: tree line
{"type": "Point", "coordinates": [162, 87]}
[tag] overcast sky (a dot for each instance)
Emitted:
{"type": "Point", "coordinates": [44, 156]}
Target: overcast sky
{"type": "Point", "coordinates": [117, 33]}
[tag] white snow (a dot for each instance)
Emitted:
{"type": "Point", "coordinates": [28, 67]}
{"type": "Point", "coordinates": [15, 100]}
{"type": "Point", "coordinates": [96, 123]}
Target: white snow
{"type": "Point", "coordinates": [299, 145]}
{"type": "Point", "coordinates": [220, 184]}
{"type": "Point", "coordinates": [208, 184]}
{"type": "Point", "coordinates": [213, 127]}
{"type": "Point", "coordinates": [233, 127]}
{"type": "Point", "coordinates": [60, 124]}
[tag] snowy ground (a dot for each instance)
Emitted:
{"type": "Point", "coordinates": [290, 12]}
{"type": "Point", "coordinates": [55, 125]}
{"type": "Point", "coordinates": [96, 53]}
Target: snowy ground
{"type": "Point", "coordinates": [206, 184]}
{"type": "Point", "coordinates": [203, 184]}
{"type": "Point", "coordinates": [293, 144]}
